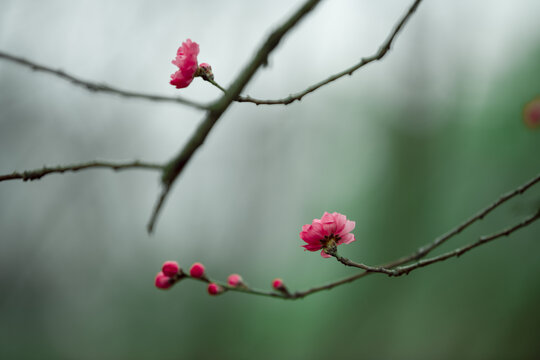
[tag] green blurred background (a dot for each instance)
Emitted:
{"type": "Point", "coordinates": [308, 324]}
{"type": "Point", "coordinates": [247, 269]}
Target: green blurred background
{"type": "Point", "coordinates": [407, 147]}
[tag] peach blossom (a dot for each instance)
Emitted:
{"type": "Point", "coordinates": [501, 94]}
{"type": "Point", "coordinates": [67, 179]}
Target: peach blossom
{"type": "Point", "coordinates": [186, 60]}
{"type": "Point", "coordinates": [327, 232]}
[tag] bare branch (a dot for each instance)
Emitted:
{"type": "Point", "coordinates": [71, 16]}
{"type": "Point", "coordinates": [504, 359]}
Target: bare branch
{"type": "Point", "coordinates": [405, 270]}
{"type": "Point", "coordinates": [39, 173]}
{"type": "Point", "coordinates": [92, 86]}
{"type": "Point", "coordinates": [385, 47]}
{"type": "Point", "coordinates": [177, 164]}
{"type": "Point", "coordinates": [423, 251]}
{"type": "Point", "coordinates": [393, 268]}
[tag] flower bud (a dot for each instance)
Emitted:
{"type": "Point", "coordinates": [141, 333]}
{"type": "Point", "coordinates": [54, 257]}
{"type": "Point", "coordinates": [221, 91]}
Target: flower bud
{"type": "Point", "coordinates": [170, 268]}
{"type": "Point", "coordinates": [197, 270]}
{"type": "Point", "coordinates": [214, 289]}
{"type": "Point", "coordinates": [234, 280]}
{"type": "Point", "coordinates": [278, 284]}
{"type": "Point", "coordinates": [162, 281]}
{"type": "Point", "coordinates": [205, 71]}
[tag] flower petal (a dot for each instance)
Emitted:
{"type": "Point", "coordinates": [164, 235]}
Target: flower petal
{"type": "Point", "coordinates": [349, 226]}
{"type": "Point", "coordinates": [340, 220]}
{"type": "Point", "coordinates": [325, 255]}
{"type": "Point", "coordinates": [346, 239]}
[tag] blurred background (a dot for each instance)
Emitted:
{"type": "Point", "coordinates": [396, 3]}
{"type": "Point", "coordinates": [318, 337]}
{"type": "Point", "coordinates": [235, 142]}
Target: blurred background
{"type": "Point", "coordinates": [408, 147]}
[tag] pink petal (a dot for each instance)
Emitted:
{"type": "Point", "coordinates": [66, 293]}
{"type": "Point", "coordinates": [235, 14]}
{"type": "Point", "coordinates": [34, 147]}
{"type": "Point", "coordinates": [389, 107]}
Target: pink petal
{"type": "Point", "coordinates": [318, 229]}
{"type": "Point", "coordinates": [346, 239]}
{"type": "Point", "coordinates": [349, 226]}
{"type": "Point", "coordinates": [312, 247]}
{"type": "Point", "coordinates": [340, 220]}
{"type": "Point", "coordinates": [328, 223]}
{"type": "Point", "coordinates": [325, 255]}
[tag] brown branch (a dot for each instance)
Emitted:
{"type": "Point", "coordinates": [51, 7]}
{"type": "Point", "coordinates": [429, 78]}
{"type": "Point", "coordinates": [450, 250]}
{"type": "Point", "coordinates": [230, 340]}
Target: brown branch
{"type": "Point", "coordinates": [96, 87]}
{"type": "Point", "coordinates": [423, 251]}
{"type": "Point", "coordinates": [393, 268]}
{"type": "Point", "coordinates": [385, 47]}
{"type": "Point", "coordinates": [405, 270]}
{"type": "Point", "coordinates": [39, 173]}
{"type": "Point", "coordinates": [92, 86]}
{"type": "Point", "coordinates": [243, 289]}
{"type": "Point", "coordinates": [177, 164]}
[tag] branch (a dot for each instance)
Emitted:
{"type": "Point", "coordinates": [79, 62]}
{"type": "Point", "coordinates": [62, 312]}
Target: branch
{"type": "Point", "coordinates": [96, 87]}
{"type": "Point", "coordinates": [425, 250]}
{"type": "Point", "coordinates": [385, 47]}
{"type": "Point", "coordinates": [177, 164]}
{"type": "Point", "coordinates": [393, 268]}
{"type": "Point", "coordinates": [385, 269]}
{"type": "Point", "coordinates": [405, 270]}
{"type": "Point", "coordinates": [92, 86]}
{"type": "Point", "coordinates": [39, 173]}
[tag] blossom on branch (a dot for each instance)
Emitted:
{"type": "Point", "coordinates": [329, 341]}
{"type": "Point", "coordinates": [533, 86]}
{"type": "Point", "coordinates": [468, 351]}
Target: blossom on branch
{"type": "Point", "coordinates": [327, 233]}
{"type": "Point", "coordinates": [186, 60]}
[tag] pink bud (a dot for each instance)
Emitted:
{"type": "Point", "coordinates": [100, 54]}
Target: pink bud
{"type": "Point", "coordinates": [205, 71]}
{"type": "Point", "coordinates": [197, 270]}
{"type": "Point", "coordinates": [531, 113]}
{"type": "Point", "coordinates": [162, 281]}
{"type": "Point", "coordinates": [278, 284]}
{"type": "Point", "coordinates": [234, 280]}
{"type": "Point", "coordinates": [170, 268]}
{"type": "Point", "coordinates": [214, 289]}
{"type": "Point", "coordinates": [206, 66]}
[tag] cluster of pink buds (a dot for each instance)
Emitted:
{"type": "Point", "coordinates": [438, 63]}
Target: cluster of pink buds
{"type": "Point", "coordinates": [324, 235]}
{"type": "Point", "coordinates": [169, 274]}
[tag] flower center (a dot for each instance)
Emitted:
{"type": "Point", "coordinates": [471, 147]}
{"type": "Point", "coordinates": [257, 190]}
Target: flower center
{"type": "Point", "coordinates": [329, 240]}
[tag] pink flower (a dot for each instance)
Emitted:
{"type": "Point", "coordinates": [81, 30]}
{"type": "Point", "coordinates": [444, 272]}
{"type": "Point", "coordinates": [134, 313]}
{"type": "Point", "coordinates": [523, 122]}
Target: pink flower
{"type": "Point", "coordinates": [327, 232]}
{"type": "Point", "coordinates": [162, 281]}
{"type": "Point", "coordinates": [531, 113]}
{"type": "Point", "coordinates": [234, 280]}
{"type": "Point", "coordinates": [214, 289]}
{"type": "Point", "coordinates": [186, 60]}
{"type": "Point", "coordinates": [170, 268]}
{"type": "Point", "coordinates": [197, 270]}
{"type": "Point", "coordinates": [278, 284]}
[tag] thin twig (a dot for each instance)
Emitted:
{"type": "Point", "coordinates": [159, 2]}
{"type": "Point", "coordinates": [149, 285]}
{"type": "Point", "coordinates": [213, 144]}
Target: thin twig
{"type": "Point", "coordinates": [404, 270]}
{"type": "Point", "coordinates": [243, 289]}
{"type": "Point", "coordinates": [39, 173]}
{"type": "Point", "coordinates": [393, 269]}
{"type": "Point", "coordinates": [177, 164]}
{"type": "Point", "coordinates": [423, 251]}
{"type": "Point", "coordinates": [92, 86]}
{"type": "Point", "coordinates": [385, 47]}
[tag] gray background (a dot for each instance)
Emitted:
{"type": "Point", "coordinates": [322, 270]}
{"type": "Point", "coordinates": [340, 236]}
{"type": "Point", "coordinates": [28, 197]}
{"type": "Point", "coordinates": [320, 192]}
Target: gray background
{"type": "Point", "coordinates": [407, 147]}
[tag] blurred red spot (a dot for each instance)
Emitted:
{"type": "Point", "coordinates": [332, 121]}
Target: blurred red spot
{"type": "Point", "coordinates": [531, 113]}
